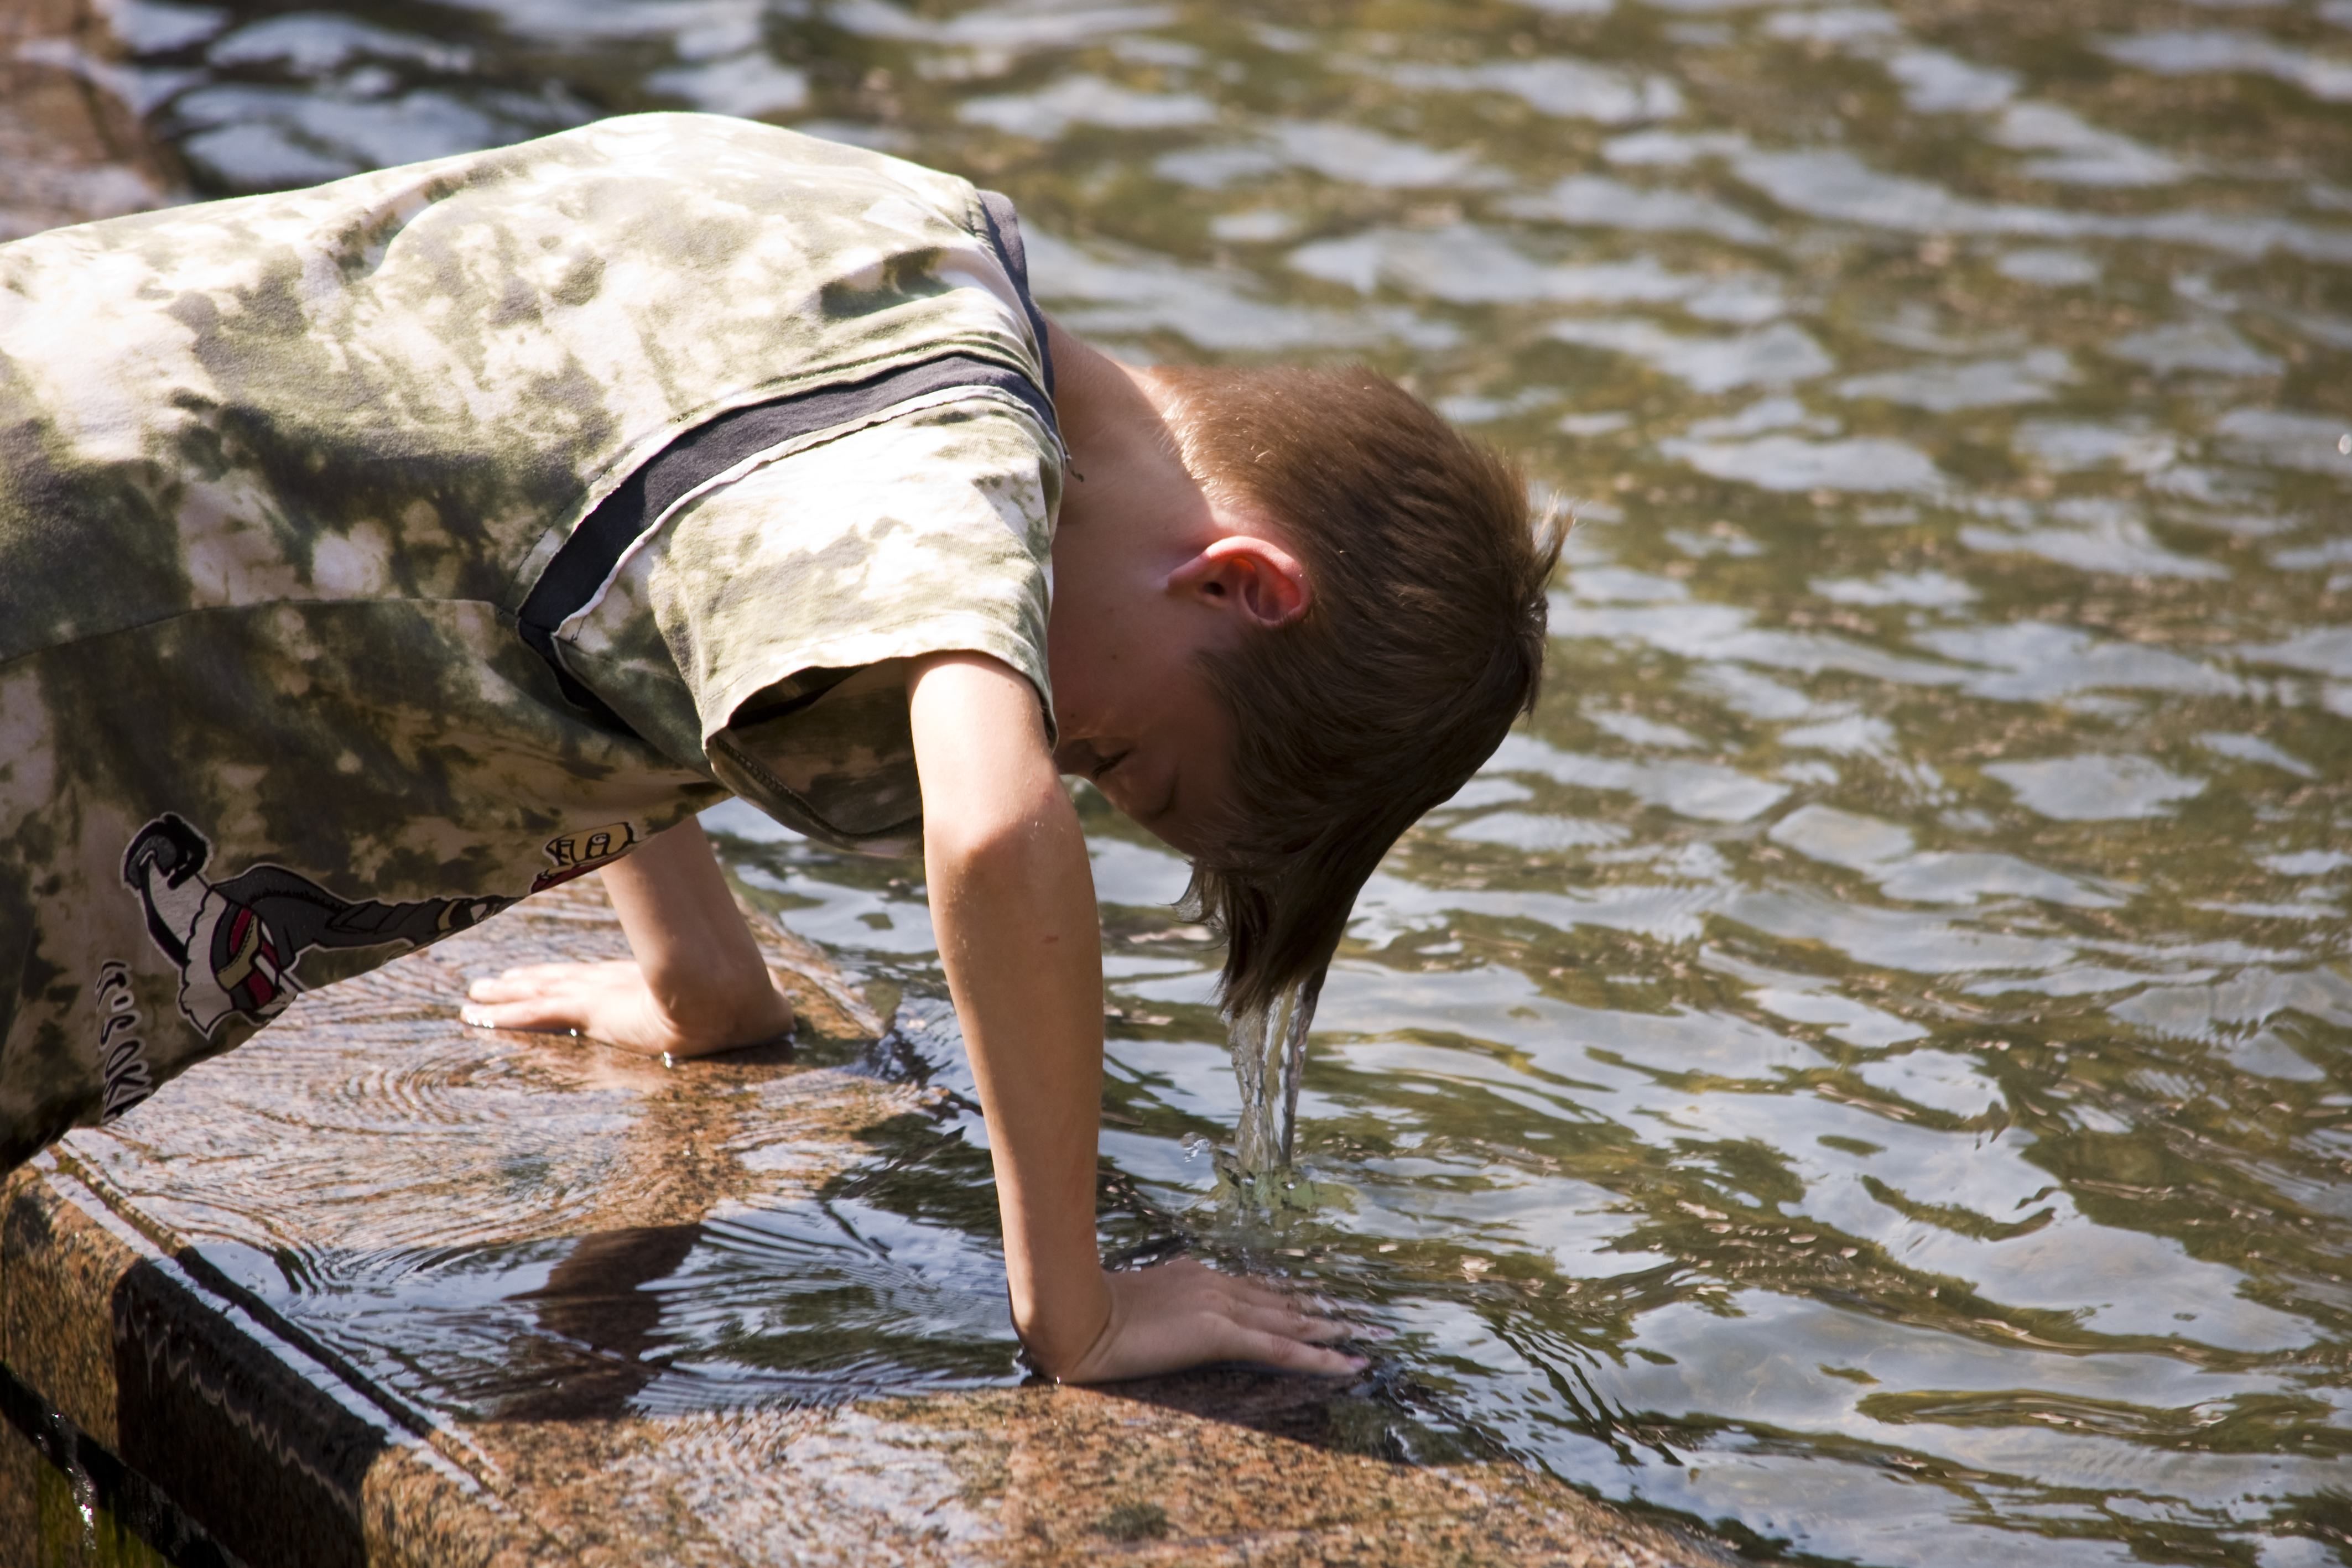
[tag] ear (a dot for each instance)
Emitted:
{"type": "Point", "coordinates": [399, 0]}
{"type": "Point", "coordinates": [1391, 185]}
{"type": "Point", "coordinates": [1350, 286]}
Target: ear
{"type": "Point", "coordinates": [1254, 578]}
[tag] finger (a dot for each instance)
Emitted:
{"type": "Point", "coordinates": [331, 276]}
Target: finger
{"type": "Point", "coordinates": [1297, 1355]}
{"type": "Point", "coordinates": [534, 974]}
{"type": "Point", "coordinates": [500, 989]}
{"type": "Point", "coordinates": [1294, 1324]}
{"type": "Point", "coordinates": [539, 977]}
{"type": "Point", "coordinates": [509, 987]}
{"type": "Point", "coordinates": [568, 981]}
{"type": "Point", "coordinates": [1258, 1293]}
{"type": "Point", "coordinates": [553, 1015]}
{"type": "Point", "coordinates": [513, 985]}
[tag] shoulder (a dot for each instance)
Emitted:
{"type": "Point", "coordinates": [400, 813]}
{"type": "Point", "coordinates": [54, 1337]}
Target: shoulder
{"type": "Point", "coordinates": [717, 150]}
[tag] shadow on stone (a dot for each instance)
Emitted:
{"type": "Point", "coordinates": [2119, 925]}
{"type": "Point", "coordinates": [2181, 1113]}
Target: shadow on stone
{"type": "Point", "coordinates": [1358, 1418]}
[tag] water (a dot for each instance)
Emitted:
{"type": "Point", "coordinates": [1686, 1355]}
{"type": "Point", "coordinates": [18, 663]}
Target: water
{"type": "Point", "coordinates": [1269, 1051]}
{"type": "Point", "coordinates": [1867, 1065]}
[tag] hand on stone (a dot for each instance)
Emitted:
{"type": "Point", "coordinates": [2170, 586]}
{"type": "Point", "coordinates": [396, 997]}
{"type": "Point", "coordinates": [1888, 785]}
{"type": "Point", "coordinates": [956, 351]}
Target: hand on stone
{"type": "Point", "coordinates": [1185, 1314]}
{"type": "Point", "coordinates": [612, 1002]}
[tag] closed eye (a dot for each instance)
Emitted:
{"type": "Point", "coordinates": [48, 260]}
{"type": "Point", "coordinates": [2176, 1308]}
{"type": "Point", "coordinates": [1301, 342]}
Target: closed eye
{"type": "Point", "coordinates": [1103, 769]}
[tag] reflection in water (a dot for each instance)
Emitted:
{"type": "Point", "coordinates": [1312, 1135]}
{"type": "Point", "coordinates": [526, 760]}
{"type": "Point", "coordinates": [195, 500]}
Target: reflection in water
{"type": "Point", "coordinates": [599, 1301]}
{"type": "Point", "coordinates": [1867, 1065]}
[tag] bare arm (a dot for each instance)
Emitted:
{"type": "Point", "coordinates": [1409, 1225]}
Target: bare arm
{"type": "Point", "coordinates": [1012, 901]}
{"type": "Point", "coordinates": [697, 984]}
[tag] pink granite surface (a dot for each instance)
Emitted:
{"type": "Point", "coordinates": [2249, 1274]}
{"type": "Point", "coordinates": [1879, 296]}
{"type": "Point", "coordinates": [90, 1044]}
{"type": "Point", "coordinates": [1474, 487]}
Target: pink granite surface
{"type": "Point", "coordinates": [288, 1454]}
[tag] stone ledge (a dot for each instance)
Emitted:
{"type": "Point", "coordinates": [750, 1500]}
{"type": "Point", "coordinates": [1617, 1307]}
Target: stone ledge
{"type": "Point", "coordinates": [196, 1413]}
{"type": "Point", "coordinates": [123, 1312]}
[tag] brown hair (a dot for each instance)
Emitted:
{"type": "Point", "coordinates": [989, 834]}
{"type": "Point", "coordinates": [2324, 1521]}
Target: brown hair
{"type": "Point", "coordinates": [1422, 641]}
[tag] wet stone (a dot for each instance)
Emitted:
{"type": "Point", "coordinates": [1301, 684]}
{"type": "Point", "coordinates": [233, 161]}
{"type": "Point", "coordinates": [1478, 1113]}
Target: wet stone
{"type": "Point", "coordinates": [382, 1287]}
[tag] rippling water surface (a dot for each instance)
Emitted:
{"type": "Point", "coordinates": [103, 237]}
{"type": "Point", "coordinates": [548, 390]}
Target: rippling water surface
{"type": "Point", "coordinates": [1867, 1066]}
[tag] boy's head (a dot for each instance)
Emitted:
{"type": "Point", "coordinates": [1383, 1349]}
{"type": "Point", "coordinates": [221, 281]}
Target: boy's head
{"type": "Point", "coordinates": [1419, 641]}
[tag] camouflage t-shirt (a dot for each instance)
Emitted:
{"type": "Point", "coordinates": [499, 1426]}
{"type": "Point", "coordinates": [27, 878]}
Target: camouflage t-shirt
{"type": "Point", "coordinates": [375, 555]}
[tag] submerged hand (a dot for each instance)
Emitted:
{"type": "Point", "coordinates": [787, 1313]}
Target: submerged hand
{"type": "Point", "coordinates": [613, 1003]}
{"type": "Point", "coordinates": [1181, 1314]}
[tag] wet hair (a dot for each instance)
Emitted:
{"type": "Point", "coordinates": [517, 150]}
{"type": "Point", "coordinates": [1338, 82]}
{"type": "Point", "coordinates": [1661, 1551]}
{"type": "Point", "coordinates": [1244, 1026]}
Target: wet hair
{"type": "Point", "coordinates": [1422, 643]}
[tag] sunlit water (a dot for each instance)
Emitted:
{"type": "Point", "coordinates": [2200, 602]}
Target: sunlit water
{"type": "Point", "coordinates": [1867, 1066]}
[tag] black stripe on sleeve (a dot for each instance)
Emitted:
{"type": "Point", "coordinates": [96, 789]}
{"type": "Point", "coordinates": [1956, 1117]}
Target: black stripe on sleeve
{"type": "Point", "coordinates": [582, 566]}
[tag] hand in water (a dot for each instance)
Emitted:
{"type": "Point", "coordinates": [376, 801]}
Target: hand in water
{"type": "Point", "coordinates": [1179, 1314]}
{"type": "Point", "coordinates": [613, 1003]}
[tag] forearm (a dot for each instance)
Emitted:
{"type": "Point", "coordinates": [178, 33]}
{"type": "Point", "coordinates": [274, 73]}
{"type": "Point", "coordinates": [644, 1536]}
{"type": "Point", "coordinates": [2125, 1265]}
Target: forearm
{"type": "Point", "coordinates": [1012, 902]}
{"type": "Point", "coordinates": [1019, 935]}
{"type": "Point", "coordinates": [700, 961]}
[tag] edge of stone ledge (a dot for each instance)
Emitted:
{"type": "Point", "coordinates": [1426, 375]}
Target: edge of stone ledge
{"type": "Point", "coordinates": [225, 1440]}
{"type": "Point", "coordinates": [37, 1437]}
{"type": "Point", "coordinates": [280, 1460]}
{"type": "Point", "coordinates": [287, 1453]}
{"type": "Point", "coordinates": [1066, 1472]}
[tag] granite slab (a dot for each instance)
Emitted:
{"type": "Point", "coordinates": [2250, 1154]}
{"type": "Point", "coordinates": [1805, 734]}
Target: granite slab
{"type": "Point", "coordinates": [380, 1289]}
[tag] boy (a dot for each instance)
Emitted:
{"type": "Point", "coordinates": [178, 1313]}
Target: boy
{"type": "Point", "coordinates": [374, 556]}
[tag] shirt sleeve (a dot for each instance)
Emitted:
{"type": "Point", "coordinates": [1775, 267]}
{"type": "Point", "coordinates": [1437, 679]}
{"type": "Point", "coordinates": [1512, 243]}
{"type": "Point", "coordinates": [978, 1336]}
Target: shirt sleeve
{"type": "Point", "coordinates": [748, 631]}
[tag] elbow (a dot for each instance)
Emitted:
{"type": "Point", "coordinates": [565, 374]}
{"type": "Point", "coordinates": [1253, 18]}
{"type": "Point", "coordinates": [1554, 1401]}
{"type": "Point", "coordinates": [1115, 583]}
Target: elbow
{"type": "Point", "coordinates": [997, 840]}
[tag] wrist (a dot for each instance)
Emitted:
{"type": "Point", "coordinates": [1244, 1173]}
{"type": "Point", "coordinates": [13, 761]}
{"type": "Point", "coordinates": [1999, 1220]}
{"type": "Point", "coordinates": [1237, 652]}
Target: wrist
{"type": "Point", "coordinates": [722, 1006]}
{"type": "Point", "coordinates": [1063, 1336]}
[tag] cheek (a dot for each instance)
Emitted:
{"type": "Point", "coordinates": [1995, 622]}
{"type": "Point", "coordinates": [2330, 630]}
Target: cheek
{"type": "Point", "coordinates": [1208, 728]}
{"type": "Point", "coordinates": [1100, 662]}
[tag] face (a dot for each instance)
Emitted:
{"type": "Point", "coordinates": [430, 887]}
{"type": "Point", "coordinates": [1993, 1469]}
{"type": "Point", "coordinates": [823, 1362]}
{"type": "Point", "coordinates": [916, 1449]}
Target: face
{"type": "Point", "coordinates": [1150, 574]}
{"type": "Point", "coordinates": [1138, 716]}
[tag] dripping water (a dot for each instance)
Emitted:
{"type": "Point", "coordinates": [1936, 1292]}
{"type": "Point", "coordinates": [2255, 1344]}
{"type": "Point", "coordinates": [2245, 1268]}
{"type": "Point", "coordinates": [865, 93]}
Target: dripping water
{"type": "Point", "coordinates": [1269, 1048]}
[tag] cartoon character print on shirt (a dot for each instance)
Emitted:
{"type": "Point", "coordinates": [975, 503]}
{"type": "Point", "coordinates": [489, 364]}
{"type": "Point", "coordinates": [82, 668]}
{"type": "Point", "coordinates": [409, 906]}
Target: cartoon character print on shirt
{"type": "Point", "coordinates": [237, 942]}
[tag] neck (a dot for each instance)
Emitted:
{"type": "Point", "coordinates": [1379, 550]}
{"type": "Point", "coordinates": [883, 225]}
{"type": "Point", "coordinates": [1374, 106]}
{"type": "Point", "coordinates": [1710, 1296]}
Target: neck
{"type": "Point", "coordinates": [1122, 454]}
